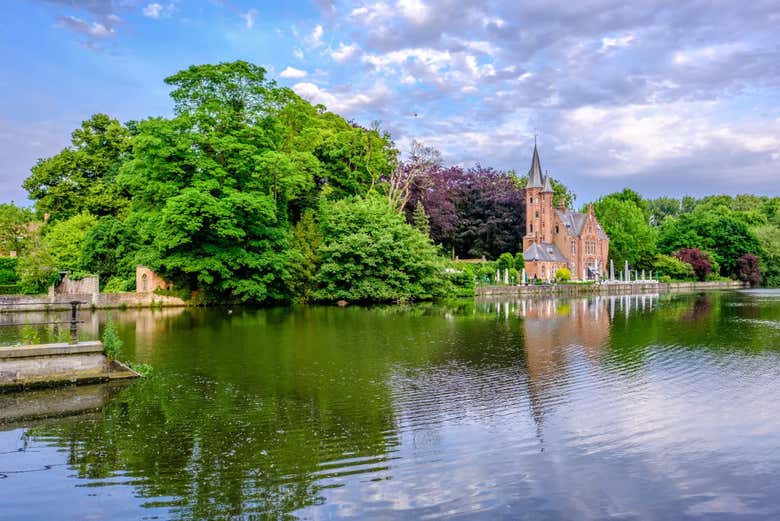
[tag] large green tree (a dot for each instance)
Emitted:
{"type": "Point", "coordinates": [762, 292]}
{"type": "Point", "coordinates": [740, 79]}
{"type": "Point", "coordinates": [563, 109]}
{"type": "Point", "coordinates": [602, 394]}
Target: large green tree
{"type": "Point", "coordinates": [81, 177]}
{"type": "Point", "coordinates": [722, 233]}
{"type": "Point", "coordinates": [631, 238]}
{"type": "Point", "coordinates": [217, 188]}
{"type": "Point", "coordinates": [370, 253]}
{"type": "Point", "coordinates": [14, 227]}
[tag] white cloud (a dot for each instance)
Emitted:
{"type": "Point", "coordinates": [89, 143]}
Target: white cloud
{"type": "Point", "coordinates": [95, 29]}
{"type": "Point", "coordinates": [345, 103]}
{"type": "Point", "coordinates": [298, 53]}
{"type": "Point", "coordinates": [292, 72]}
{"type": "Point", "coordinates": [344, 52]}
{"type": "Point", "coordinates": [608, 43]}
{"type": "Point", "coordinates": [414, 10]}
{"type": "Point", "coordinates": [706, 54]}
{"type": "Point", "coordinates": [249, 18]}
{"type": "Point", "coordinates": [152, 10]}
{"type": "Point", "coordinates": [315, 38]}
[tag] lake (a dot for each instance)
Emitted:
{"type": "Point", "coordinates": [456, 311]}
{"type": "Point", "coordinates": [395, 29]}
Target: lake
{"type": "Point", "coordinates": [642, 408]}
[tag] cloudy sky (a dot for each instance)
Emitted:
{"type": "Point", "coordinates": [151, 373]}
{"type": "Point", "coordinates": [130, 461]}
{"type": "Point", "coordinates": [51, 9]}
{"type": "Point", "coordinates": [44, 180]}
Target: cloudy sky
{"type": "Point", "coordinates": [667, 97]}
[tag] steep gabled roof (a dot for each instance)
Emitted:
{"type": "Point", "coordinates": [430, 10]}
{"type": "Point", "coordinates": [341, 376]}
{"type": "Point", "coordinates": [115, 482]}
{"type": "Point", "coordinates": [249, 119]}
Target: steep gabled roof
{"type": "Point", "coordinates": [575, 223]}
{"type": "Point", "coordinates": [544, 252]}
{"type": "Point", "coordinates": [547, 185]}
{"type": "Point", "coordinates": [535, 176]}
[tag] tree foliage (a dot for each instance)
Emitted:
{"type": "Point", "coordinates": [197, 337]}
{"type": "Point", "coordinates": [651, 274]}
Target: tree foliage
{"type": "Point", "coordinates": [749, 269]}
{"type": "Point", "coordinates": [14, 227]}
{"type": "Point", "coordinates": [370, 253]}
{"type": "Point", "coordinates": [631, 238]}
{"type": "Point", "coordinates": [699, 261]}
{"type": "Point", "coordinates": [81, 178]}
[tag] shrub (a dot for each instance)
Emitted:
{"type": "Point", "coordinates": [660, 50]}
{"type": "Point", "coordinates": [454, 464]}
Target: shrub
{"type": "Point", "coordinates": [505, 261]}
{"type": "Point", "coordinates": [371, 254]}
{"type": "Point", "coordinates": [8, 271]}
{"type": "Point", "coordinates": [112, 344]}
{"type": "Point", "coordinates": [519, 261]}
{"type": "Point", "coordinates": [563, 275]}
{"type": "Point", "coordinates": [749, 269]}
{"type": "Point", "coordinates": [672, 268]}
{"type": "Point", "coordinates": [700, 261]}
{"type": "Point", "coordinates": [115, 285]}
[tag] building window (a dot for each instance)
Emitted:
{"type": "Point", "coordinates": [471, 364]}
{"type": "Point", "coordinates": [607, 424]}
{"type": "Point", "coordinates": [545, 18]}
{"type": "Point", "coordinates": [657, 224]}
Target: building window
{"type": "Point", "coordinates": [532, 227]}
{"type": "Point", "coordinates": [143, 282]}
{"type": "Point", "coordinates": [556, 229]}
{"type": "Point", "coordinates": [537, 214]}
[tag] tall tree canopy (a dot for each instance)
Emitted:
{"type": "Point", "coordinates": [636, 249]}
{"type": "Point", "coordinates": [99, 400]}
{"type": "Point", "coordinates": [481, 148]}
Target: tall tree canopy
{"type": "Point", "coordinates": [216, 188]}
{"type": "Point", "coordinates": [81, 177]}
{"type": "Point", "coordinates": [625, 221]}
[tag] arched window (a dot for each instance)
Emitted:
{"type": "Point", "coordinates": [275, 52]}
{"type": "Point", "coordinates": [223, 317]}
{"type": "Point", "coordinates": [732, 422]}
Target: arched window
{"type": "Point", "coordinates": [532, 227]}
{"type": "Point", "coordinates": [143, 282]}
{"type": "Point", "coordinates": [556, 230]}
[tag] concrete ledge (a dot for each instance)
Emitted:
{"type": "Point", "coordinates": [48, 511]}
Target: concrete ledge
{"type": "Point", "coordinates": [58, 364]}
{"type": "Point", "coordinates": [50, 349]}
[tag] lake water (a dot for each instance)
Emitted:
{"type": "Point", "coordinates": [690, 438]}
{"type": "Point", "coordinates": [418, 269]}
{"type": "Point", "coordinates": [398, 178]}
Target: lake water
{"type": "Point", "coordinates": [640, 408]}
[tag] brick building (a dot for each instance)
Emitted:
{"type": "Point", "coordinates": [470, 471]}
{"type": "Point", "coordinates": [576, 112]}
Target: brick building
{"type": "Point", "coordinates": [558, 238]}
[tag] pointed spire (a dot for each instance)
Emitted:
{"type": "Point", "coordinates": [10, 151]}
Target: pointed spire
{"type": "Point", "coordinates": [547, 185]}
{"type": "Point", "coordinates": [535, 173]}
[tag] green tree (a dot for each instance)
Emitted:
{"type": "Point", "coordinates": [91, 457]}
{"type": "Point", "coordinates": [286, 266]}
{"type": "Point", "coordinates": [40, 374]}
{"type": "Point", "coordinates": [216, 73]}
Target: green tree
{"type": "Point", "coordinates": [631, 238]}
{"type": "Point", "coordinates": [506, 261]}
{"type": "Point", "coordinates": [519, 261]}
{"type": "Point", "coordinates": [666, 265]}
{"type": "Point", "coordinates": [420, 219]}
{"type": "Point", "coordinates": [36, 267]}
{"type": "Point", "coordinates": [563, 275]}
{"type": "Point", "coordinates": [65, 241]}
{"type": "Point", "coordinates": [109, 251]}
{"type": "Point", "coordinates": [370, 253]}
{"type": "Point", "coordinates": [663, 207]}
{"type": "Point", "coordinates": [14, 227]}
{"type": "Point", "coordinates": [81, 177]}
{"type": "Point", "coordinates": [306, 243]}
{"type": "Point", "coordinates": [719, 232]}
{"type": "Point", "coordinates": [769, 238]}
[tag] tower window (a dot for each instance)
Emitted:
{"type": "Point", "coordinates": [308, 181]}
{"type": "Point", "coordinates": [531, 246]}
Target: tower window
{"type": "Point", "coordinates": [537, 214]}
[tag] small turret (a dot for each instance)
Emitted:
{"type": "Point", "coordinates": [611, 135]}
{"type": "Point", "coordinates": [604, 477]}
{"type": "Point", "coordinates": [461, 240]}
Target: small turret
{"type": "Point", "coordinates": [547, 185]}
{"type": "Point", "coordinates": [535, 177]}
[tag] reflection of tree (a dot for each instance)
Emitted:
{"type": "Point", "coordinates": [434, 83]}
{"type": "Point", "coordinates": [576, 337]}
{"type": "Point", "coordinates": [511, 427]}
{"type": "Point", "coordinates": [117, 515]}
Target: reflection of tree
{"type": "Point", "coordinates": [214, 452]}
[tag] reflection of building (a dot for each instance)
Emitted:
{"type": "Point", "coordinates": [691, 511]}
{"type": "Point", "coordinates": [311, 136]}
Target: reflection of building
{"type": "Point", "coordinates": [558, 238]}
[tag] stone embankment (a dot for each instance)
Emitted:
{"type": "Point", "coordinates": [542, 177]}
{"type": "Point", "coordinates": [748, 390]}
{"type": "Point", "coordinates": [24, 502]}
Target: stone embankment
{"type": "Point", "coordinates": [95, 300]}
{"type": "Point", "coordinates": [632, 288]}
{"type": "Point", "coordinates": [45, 365]}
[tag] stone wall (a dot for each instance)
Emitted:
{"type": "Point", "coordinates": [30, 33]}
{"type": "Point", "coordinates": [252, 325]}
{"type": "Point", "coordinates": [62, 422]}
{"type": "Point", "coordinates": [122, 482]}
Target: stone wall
{"type": "Point", "coordinates": [86, 286]}
{"type": "Point", "coordinates": [147, 281]}
{"type": "Point", "coordinates": [98, 300]}
{"type": "Point", "coordinates": [606, 289]}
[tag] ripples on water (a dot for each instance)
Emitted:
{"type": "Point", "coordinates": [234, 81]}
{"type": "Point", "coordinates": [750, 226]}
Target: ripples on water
{"type": "Point", "coordinates": [625, 408]}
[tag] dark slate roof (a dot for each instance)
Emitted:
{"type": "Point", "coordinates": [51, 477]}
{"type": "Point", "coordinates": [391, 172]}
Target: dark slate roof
{"type": "Point", "coordinates": [575, 223]}
{"type": "Point", "coordinates": [547, 184]}
{"type": "Point", "coordinates": [535, 176]}
{"type": "Point", "coordinates": [544, 252]}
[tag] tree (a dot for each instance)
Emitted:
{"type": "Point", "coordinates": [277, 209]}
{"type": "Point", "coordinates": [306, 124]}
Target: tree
{"type": "Point", "coordinates": [65, 242]}
{"type": "Point", "coordinates": [718, 232]}
{"type": "Point", "coordinates": [631, 238]}
{"type": "Point", "coordinates": [81, 177]}
{"type": "Point", "coordinates": [699, 261]}
{"type": "Point", "coordinates": [36, 267]}
{"type": "Point", "coordinates": [769, 238]}
{"type": "Point", "coordinates": [422, 160]}
{"type": "Point", "coordinates": [672, 267]}
{"type": "Point", "coordinates": [14, 227]}
{"type": "Point", "coordinates": [749, 269]}
{"type": "Point", "coordinates": [109, 250]}
{"type": "Point", "coordinates": [519, 261]}
{"type": "Point", "coordinates": [506, 262]}
{"type": "Point", "coordinates": [663, 207]}
{"type": "Point", "coordinates": [420, 219]}
{"type": "Point", "coordinates": [563, 275]}
{"type": "Point", "coordinates": [306, 244]}
{"type": "Point", "coordinates": [371, 254]}
{"type": "Point", "coordinates": [474, 213]}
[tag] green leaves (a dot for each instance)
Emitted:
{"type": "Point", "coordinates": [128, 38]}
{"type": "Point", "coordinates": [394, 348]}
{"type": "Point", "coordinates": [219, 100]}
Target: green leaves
{"type": "Point", "coordinates": [370, 253]}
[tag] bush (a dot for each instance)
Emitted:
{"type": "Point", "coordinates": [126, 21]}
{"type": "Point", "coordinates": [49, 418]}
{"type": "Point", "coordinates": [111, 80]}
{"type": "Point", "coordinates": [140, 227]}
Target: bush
{"type": "Point", "coordinates": [371, 254]}
{"type": "Point", "coordinates": [673, 268]}
{"type": "Point", "coordinates": [116, 285]}
{"type": "Point", "coordinates": [563, 275]}
{"type": "Point", "coordinates": [112, 344]}
{"type": "Point", "coordinates": [700, 261]}
{"type": "Point", "coordinates": [505, 261]}
{"type": "Point", "coordinates": [749, 269]}
{"type": "Point", "coordinates": [519, 261]}
{"type": "Point", "coordinates": [8, 274]}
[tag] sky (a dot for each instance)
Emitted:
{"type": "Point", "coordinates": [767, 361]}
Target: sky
{"type": "Point", "coordinates": [666, 97]}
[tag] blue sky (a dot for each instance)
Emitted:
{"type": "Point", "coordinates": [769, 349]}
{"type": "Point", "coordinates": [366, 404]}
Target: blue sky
{"type": "Point", "coordinates": [666, 97]}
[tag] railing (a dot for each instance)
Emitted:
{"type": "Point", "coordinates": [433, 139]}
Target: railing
{"type": "Point", "coordinates": [74, 321]}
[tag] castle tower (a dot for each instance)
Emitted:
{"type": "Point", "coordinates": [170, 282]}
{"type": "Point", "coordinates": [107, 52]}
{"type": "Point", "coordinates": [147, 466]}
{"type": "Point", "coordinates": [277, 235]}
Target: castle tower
{"type": "Point", "coordinates": [533, 202]}
{"type": "Point", "coordinates": [547, 210]}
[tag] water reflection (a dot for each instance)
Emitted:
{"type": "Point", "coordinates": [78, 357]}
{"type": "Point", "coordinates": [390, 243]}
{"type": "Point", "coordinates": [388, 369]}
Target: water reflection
{"type": "Point", "coordinates": [632, 407]}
